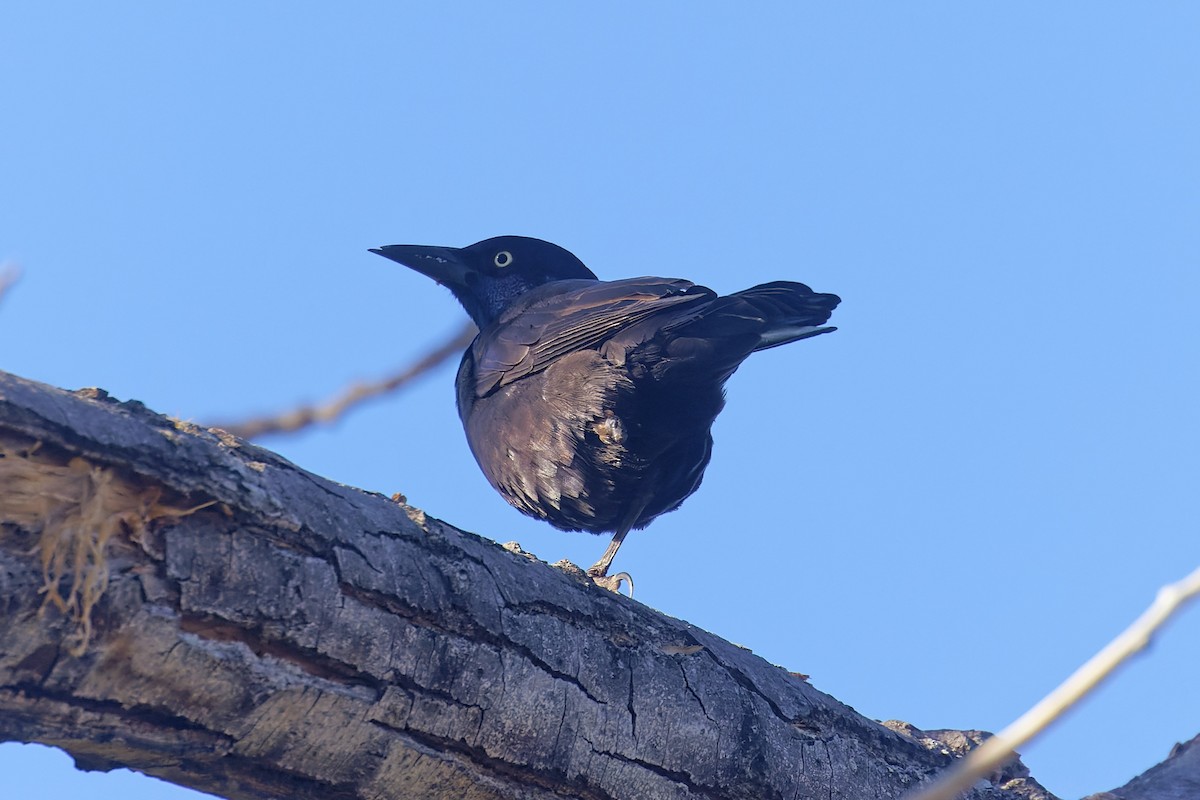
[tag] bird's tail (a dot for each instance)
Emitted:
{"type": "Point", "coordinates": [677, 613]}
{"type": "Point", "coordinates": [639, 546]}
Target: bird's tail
{"type": "Point", "coordinates": [780, 312]}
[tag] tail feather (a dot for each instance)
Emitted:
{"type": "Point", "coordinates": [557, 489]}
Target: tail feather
{"type": "Point", "coordinates": [779, 312]}
{"type": "Point", "coordinates": [788, 302]}
{"type": "Point", "coordinates": [778, 336]}
{"type": "Point", "coordinates": [707, 344]}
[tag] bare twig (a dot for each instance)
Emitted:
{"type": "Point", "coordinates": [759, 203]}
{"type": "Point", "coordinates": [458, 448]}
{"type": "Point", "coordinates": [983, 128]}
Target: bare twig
{"type": "Point", "coordinates": [9, 275]}
{"type": "Point", "coordinates": [999, 749]}
{"type": "Point", "coordinates": [307, 415]}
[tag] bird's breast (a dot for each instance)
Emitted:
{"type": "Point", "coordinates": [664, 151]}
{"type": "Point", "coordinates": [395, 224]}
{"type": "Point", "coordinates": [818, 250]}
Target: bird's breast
{"type": "Point", "coordinates": [580, 443]}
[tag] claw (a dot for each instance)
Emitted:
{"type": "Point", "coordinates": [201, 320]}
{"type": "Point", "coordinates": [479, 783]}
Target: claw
{"type": "Point", "coordinates": [613, 582]}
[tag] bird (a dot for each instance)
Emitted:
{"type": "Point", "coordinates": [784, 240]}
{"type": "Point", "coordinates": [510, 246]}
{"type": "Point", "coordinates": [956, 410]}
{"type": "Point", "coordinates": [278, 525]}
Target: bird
{"type": "Point", "coordinates": [589, 403]}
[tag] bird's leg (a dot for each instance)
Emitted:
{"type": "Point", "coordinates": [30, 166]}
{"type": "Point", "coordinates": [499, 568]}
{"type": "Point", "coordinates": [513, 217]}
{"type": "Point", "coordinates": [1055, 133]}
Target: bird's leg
{"type": "Point", "coordinates": [599, 570]}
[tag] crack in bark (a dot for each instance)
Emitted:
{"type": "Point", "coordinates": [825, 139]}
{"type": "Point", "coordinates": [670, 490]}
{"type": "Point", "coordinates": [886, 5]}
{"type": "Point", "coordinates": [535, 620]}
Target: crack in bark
{"type": "Point", "coordinates": [675, 776]}
{"type": "Point", "coordinates": [562, 721]}
{"type": "Point", "coordinates": [254, 637]}
{"type": "Point", "coordinates": [147, 714]}
{"type": "Point", "coordinates": [330, 671]}
{"type": "Point", "coordinates": [688, 685]}
{"type": "Point", "coordinates": [506, 773]}
{"type": "Point", "coordinates": [799, 723]}
{"type": "Point", "coordinates": [466, 628]}
{"type": "Point", "coordinates": [332, 559]}
{"type": "Point", "coordinates": [829, 758]}
{"type": "Point", "coordinates": [629, 705]}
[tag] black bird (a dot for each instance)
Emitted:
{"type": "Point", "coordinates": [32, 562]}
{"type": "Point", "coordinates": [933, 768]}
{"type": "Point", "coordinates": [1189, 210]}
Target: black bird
{"type": "Point", "coordinates": [589, 403]}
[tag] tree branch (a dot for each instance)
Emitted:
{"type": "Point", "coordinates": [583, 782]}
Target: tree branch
{"type": "Point", "coordinates": [306, 415]}
{"type": "Point", "coordinates": [232, 623]}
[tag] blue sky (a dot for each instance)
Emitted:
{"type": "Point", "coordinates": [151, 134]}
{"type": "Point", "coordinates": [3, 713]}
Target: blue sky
{"type": "Point", "coordinates": [938, 512]}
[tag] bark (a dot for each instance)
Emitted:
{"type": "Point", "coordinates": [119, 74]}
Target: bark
{"type": "Point", "coordinates": [1176, 778]}
{"type": "Point", "coordinates": [183, 603]}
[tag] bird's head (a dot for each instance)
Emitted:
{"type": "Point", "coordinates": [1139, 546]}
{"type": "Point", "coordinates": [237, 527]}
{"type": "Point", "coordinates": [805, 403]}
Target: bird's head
{"type": "Point", "coordinates": [489, 275]}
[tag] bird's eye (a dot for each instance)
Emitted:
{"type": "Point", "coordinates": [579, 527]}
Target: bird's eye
{"type": "Point", "coordinates": [503, 259]}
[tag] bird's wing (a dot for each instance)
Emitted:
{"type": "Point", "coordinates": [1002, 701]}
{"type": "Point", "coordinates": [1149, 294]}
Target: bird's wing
{"type": "Point", "coordinates": [585, 315]}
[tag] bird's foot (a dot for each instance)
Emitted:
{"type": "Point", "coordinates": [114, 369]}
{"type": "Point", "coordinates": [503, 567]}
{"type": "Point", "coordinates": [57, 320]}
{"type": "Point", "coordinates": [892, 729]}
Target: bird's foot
{"type": "Point", "coordinates": [612, 582]}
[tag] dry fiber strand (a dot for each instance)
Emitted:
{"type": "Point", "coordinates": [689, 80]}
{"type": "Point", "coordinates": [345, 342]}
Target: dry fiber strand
{"type": "Point", "coordinates": [75, 509]}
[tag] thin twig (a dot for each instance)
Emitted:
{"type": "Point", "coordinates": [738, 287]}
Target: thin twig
{"type": "Point", "coordinates": [9, 275]}
{"type": "Point", "coordinates": [1001, 748]}
{"type": "Point", "coordinates": [307, 415]}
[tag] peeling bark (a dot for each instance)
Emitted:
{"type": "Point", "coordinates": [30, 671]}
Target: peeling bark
{"type": "Point", "coordinates": [258, 631]}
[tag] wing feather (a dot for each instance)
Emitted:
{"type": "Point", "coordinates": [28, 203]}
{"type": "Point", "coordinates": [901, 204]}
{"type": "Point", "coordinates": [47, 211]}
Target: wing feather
{"type": "Point", "coordinates": [551, 323]}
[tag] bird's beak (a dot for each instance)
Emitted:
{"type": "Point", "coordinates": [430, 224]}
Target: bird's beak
{"type": "Point", "coordinates": [444, 264]}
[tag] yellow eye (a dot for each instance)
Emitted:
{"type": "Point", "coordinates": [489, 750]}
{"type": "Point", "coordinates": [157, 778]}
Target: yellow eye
{"type": "Point", "coordinates": [503, 259]}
